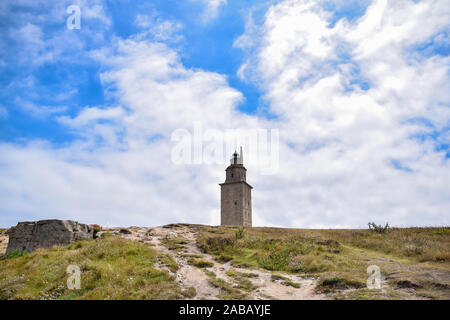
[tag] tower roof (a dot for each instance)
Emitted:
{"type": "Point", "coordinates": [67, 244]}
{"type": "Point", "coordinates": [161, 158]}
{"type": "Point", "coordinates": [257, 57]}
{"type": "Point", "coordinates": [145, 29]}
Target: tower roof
{"type": "Point", "coordinates": [237, 158]}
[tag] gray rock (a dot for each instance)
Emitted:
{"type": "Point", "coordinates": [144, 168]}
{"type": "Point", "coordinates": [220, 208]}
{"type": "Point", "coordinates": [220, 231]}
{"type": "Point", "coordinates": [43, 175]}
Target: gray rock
{"type": "Point", "coordinates": [30, 236]}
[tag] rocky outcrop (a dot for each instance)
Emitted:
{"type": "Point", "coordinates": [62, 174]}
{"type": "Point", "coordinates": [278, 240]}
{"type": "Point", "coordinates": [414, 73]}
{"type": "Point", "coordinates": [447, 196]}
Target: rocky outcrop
{"type": "Point", "coordinates": [30, 236]}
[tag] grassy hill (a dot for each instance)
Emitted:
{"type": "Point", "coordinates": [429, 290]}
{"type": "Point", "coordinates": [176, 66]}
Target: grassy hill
{"type": "Point", "coordinates": [236, 263]}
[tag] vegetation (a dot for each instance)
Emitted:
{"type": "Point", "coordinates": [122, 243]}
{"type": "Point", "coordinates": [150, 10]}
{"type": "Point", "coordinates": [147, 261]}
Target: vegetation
{"type": "Point", "coordinates": [284, 280]}
{"type": "Point", "coordinates": [413, 260]}
{"type": "Point", "coordinates": [169, 262]}
{"type": "Point", "coordinates": [242, 280]}
{"type": "Point", "coordinates": [339, 257]}
{"type": "Point", "coordinates": [227, 292]}
{"type": "Point", "coordinates": [240, 233]}
{"type": "Point", "coordinates": [378, 228]}
{"type": "Point", "coordinates": [338, 283]}
{"type": "Point", "coordinates": [112, 268]}
{"type": "Point", "coordinates": [200, 263]}
{"type": "Point", "coordinates": [189, 292]}
{"type": "Point", "coordinates": [14, 254]}
{"type": "Point", "coordinates": [176, 244]}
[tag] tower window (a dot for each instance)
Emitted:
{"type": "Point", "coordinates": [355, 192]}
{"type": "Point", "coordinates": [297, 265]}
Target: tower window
{"type": "Point", "coordinates": [235, 203]}
{"type": "Point", "coordinates": [232, 175]}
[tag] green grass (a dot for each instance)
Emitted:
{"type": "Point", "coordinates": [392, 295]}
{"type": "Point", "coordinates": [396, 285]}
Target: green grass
{"type": "Point", "coordinates": [227, 292]}
{"type": "Point", "coordinates": [14, 254]}
{"type": "Point", "coordinates": [111, 268]}
{"type": "Point", "coordinates": [189, 292]}
{"type": "Point", "coordinates": [242, 280]}
{"type": "Point", "coordinates": [420, 244]}
{"type": "Point", "coordinates": [169, 262]}
{"type": "Point", "coordinates": [333, 283]}
{"type": "Point", "coordinates": [175, 244]}
{"type": "Point", "coordinates": [344, 254]}
{"type": "Point", "coordinates": [200, 263]}
{"type": "Point", "coordinates": [284, 280]}
{"type": "Point", "coordinates": [275, 251]}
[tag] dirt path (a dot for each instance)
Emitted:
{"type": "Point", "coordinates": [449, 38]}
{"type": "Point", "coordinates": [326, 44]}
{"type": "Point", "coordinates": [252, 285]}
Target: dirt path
{"type": "Point", "coordinates": [191, 276]}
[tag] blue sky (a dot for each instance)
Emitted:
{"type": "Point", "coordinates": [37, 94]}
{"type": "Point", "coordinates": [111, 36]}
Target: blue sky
{"type": "Point", "coordinates": [359, 91]}
{"type": "Point", "coordinates": [206, 45]}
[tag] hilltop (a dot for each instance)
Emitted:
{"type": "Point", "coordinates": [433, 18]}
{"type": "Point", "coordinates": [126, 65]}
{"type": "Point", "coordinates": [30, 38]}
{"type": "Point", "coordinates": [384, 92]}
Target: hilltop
{"type": "Point", "coordinates": [182, 261]}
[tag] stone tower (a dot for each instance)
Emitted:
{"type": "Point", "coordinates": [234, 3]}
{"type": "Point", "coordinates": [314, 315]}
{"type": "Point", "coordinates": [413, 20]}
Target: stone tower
{"type": "Point", "coordinates": [236, 195]}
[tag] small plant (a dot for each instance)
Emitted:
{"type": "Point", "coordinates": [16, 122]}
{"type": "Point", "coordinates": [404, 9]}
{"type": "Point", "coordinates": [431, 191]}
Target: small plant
{"type": "Point", "coordinates": [277, 277]}
{"type": "Point", "coordinates": [200, 263]}
{"type": "Point", "coordinates": [227, 291]}
{"type": "Point", "coordinates": [291, 284]}
{"type": "Point", "coordinates": [15, 254]}
{"type": "Point", "coordinates": [378, 228]}
{"type": "Point", "coordinates": [169, 262]}
{"type": "Point", "coordinates": [274, 260]}
{"type": "Point", "coordinates": [339, 283]}
{"type": "Point", "coordinates": [125, 231]}
{"type": "Point", "coordinates": [97, 229]}
{"type": "Point", "coordinates": [223, 258]}
{"type": "Point", "coordinates": [176, 244]}
{"type": "Point", "coordinates": [240, 233]}
{"type": "Point", "coordinates": [189, 292]}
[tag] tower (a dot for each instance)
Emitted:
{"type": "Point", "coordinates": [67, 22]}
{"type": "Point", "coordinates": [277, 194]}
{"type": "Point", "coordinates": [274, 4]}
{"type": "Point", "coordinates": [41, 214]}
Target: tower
{"type": "Point", "coordinates": [236, 194]}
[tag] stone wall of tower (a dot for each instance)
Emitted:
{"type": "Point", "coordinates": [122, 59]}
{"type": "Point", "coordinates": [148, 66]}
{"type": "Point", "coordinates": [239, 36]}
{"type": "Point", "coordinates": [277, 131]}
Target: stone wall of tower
{"type": "Point", "coordinates": [236, 195]}
{"type": "Point", "coordinates": [236, 203]}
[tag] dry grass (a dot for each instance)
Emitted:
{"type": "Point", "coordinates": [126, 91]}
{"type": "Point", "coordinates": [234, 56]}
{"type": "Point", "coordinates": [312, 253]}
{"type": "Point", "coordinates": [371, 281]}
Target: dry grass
{"type": "Point", "coordinates": [421, 244]}
{"type": "Point", "coordinates": [175, 244]}
{"type": "Point", "coordinates": [112, 268]}
{"type": "Point", "coordinates": [342, 255]}
{"type": "Point", "coordinates": [200, 263]}
{"type": "Point", "coordinates": [169, 262]}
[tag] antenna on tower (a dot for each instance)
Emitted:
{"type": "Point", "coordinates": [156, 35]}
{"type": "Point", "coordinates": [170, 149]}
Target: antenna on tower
{"type": "Point", "coordinates": [242, 156]}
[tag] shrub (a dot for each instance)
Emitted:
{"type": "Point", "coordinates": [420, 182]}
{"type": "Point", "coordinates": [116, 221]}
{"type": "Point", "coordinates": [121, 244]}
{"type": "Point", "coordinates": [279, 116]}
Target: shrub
{"type": "Point", "coordinates": [339, 283]}
{"type": "Point", "coordinates": [189, 292]}
{"type": "Point", "coordinates": [97, 229]}
{"type": "Point", "coordinates": [215, 244]}
{"type": "Point", "coordinates": [125, 231]}
{"type": "Point", "coordinates": [291, 284]}
{"type": "Point", "coordinates": [200, 263]}
{"type": "Point", "coordinates": [378, 228]}
{"type": "Point", "coordinates": [274, 261]}
{"type": "Point", "coordinates": [223, 258]}
{"type": "Point", "coordinates": [169, 262]}
{"type": "Point", "coordinates": [240, 233]}
{"type": "Point", "coordinates": [15, 254]}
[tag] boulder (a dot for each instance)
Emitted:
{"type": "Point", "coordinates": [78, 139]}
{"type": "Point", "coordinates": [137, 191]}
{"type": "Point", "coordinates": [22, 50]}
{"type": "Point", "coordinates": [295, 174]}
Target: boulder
{"type": "Point", "coordinates": [30, 236]}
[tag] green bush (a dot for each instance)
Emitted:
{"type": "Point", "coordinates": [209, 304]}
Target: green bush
{"type": "Point", "coordinates": [240, 233]}
{"type": "Point", "coordinates": [274, 261]}
{"type": "Point", "coordinates": [15, 254]}
{"type": "Point", "coordinates": [200, 263]}
{"type": "Point", "coordinates": [378, 228]}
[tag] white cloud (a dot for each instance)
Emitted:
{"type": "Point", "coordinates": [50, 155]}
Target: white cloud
{"type": "Point", "coordinates": [211, 8]}
{"type": "Point", "coordinates": [346, 153]}
{"type": "Point", "coordinates": [120, 172]}
{"type": "Point", "coordinates": [344, 141]}
{"type": "Point", "coordinates": [38, 32]}
{"type": "Point", "coordinates": [39, 111]}
{"type": "Point", "coordinates": [157, 28]}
